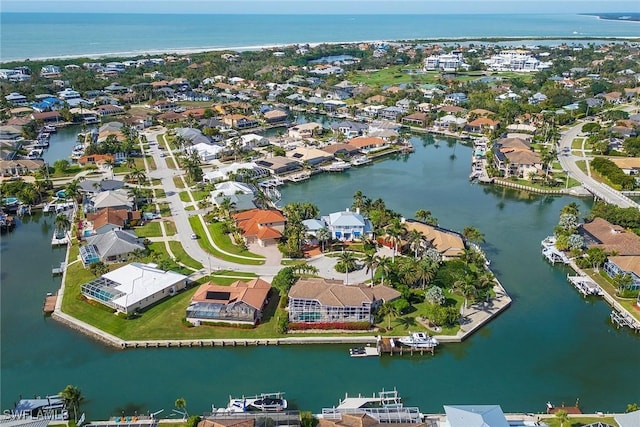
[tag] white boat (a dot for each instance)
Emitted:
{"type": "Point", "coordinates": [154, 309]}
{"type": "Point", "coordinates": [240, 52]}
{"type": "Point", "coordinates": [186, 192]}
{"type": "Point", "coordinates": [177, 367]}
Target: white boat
{"type": "Point", "coordinates": [49, 129]}
{"type": "Point", "coordinates": [337, 166]}
{"type": "Point", "coordinates": [266, 402]}
{"type": "Point", "coordinates": [360, 160]}
{"type": "Point", "coordinates": [419, 340]}
{"type": "Point", "coordinates": [302, 176]}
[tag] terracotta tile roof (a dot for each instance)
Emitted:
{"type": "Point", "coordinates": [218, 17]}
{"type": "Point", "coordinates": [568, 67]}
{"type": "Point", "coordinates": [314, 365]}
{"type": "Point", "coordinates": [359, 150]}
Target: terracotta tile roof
{"type": "Point", "coordinates": [452, 109]}
{"type": "Point", "coordinates": [612, 238]}
{"type": "Point", "coordinates": [483, 121]}
{"type": "Point", "coordinates": [334, 293]}
{"type": "Point", "coordinates": [447, 243]}
{"type": "Point", "coordinates": [365, 141]}
{"type": "Point", "coordinates": [253, 293]}
{"type": "Point", "coordinates": [109, 216]}
{"type": "Point", "coordinates": [254, 223]}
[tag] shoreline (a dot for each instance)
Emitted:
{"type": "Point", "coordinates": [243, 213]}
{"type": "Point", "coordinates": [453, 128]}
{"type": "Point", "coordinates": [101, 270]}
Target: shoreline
{"type": "Point", "coordinates": [204, 49]}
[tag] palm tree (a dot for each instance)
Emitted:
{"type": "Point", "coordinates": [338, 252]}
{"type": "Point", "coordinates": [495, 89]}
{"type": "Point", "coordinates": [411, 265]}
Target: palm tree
{"type": "Point", "coordinates": [181, 405]}
{"type": "Point", "coordinates": [323, 235]}
{"type": "Point", "coordinates": [62, 224]}
{"type": "Point", "coordinates": [385, 265]}
{"type": "Point", "coordinates": [72, 189]}
{"type": "Point", "coordinates": [426, 271]}
{"type": "Point", "coordinates": [348, 261]}
{"type": "Point", "coordinates": [389, 310]}
{"type": "Point", "coordinates": [473, 235]}
{"type": "Point", "coordinates": [72, 397]}
{"type": "Point", "coordinates": [371, 262]}
{"type": "Point", "coordinates": [395, 231]}
{"type": "Point", "coordinates": [562, 416]}
{"type": "Point", "coordinates": [416, 240]}
{"type": "Point", "coordinates": [426, 217]}
{"type": "Point", "coordinates": [225, 206]}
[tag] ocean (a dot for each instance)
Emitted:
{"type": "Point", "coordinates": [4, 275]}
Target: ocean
{"type": "Point", "coordinates": [45, 35]}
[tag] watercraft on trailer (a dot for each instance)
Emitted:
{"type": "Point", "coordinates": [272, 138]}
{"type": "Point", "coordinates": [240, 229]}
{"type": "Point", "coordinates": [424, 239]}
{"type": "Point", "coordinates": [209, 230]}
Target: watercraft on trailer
{"type": "Point", "coordinates": [266, 402]}
{"type": "Point", "coordinates": [419, 340]}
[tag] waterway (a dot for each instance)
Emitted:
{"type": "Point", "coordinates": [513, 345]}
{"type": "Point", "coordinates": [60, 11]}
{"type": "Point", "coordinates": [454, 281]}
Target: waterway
{"type": "Point", "coordinates": [550, 345]}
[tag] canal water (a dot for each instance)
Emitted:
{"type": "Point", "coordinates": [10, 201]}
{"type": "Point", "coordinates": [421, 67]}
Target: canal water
{"type": "Point", "coordinates": [550, 345]}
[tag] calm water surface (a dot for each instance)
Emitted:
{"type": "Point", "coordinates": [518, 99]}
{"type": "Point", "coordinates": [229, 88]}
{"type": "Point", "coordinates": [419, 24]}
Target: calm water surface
{"type": "Point", "coordinates": [551, 345]}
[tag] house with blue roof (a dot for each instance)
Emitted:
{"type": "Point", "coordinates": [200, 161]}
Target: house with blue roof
{"type": "Point", "coordinates": [348, 225]}
{"type": "Point", "coordinates": [475, 416]}
{"type": "Point", "coordinates": [47, 104]}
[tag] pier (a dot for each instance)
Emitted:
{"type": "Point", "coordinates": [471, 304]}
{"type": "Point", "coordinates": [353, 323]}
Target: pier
{"type": "Point", "coordinates": [56, 271]}
{"type": "Point", "coordinates": [585, 285]}
{"type": "Point", "coordinates": [623, 319]}
{"type": "Point", "coordinates": [387, 345]}
{"type": "Point", "coordinates": [49, 303]}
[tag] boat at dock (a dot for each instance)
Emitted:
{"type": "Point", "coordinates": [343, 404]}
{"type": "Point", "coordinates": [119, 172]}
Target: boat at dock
{"type": "Point", "coordinates": [337, 166]}
{"type": "Point", "coordinates": [385, 407]}
{"type": "Point", "coordinates": [418, 340]}
{"type": "Point", "coordinates": [266, 402]}
{"type": "Point", "coordinates": [360, 161]}
{"type": "Point", "coordinates": [50, 129]}
{"type": "Point", "coordinates": [298, 177]}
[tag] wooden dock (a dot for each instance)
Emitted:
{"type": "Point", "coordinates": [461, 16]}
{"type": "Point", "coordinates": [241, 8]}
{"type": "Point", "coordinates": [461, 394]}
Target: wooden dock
{"type": "Point", "coordinates": [49, 304]}
{"type": "Point", "coordinates": [387, 345]}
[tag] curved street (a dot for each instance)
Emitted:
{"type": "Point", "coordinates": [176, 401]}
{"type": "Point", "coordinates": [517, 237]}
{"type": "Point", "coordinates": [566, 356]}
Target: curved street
{"type": "Point", "coordinates": [180, 216]}
{"type": "Point", "coordinates": [568, 162]}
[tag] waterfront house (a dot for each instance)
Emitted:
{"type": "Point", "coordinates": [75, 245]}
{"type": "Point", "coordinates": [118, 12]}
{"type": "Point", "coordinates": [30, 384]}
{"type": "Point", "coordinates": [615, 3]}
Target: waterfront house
{"type": "Point", "coordinates": [315, 300]}
{"type": "Point", "coordinates": [305, 130]}
{"type": "Point", "coordinates": [237, 170]}
{"type": "Point", "coordinates": [279, 164]}
{"type": "Point", "coordinates": [274, 117]}
{"type": "Point", "coordinates": [629, 265]}
{"type": "Point", "coordinates": [239, 302]}
{"type": "Point", "coordinates": [611, 238]}
{"type": "Point", "coordinates": [252, 140]}
{"type": "Point", "coordinates": [449, 243]}
{"type": "Point", "coordinates": [47, 117]}
{"type": "Point", "coordinates": [111, 247]}
{"type": "Point", "coordinates": [514, 157]}
{"type": "Point", "coordinates": [481, 125]}
{"type": "Point", "coordinates": [391, 113]}
{"type": "Point", "coordinates": [450, 122]}
{"type": "Point", "coordinates": [475, 416]}
{"type": "Point", "coordinates": [96, 159]}
{"type": "Point", "coordinates": [262, 226]}
{"type": "Point", "coordinates": [349, 129]}
{"type": "Point", "coordinates": [348, 225]}
{"type": "Point", "coordinates": [312, 156]}
{"type": "Point", "coordinates": [134, 287]}
{"type": "Point", "coordinates": [368, 143]}
{"type": "Point", "coordinates": [239, 121]}
{"type": "Point", "coordinates": [415, 119]}
{"type": "Point", "coordinates": [340, 150]}
{"type": "Point", "coordinates": [16, 99]}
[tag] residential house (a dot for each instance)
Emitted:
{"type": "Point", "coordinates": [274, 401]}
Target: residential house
{"type": "Point", "coordinates": [95, 159]}
{"type": "Point", "coordinates": [450, 122]}
{"type": "Point", "coordinates": [415, 119]}
{"type": "Point", "coordinates": [629, 265]}
{"type": "Point", "coordinates": [305, 130]}
{"type": "Point", "coordinates": [309, 155]}
{"type": "Point", "coordinates": [391, 113]}
{"type": "Point", "coordinates": [240, 195]}
{"type": "Point", "coordinates": [118, 199]}
{"type": "Point", "coordinates": [47, 117]}
{"type": "Point", "coordinates": [206, 152]}
{"type": "Point", "coordinates": [279, 164]}
{"type": "Point", "coordinates": [481, 125]}
{"type": "Point", "coordinates": [262, 226]}
{"type": "Point", "coordinates": [368, 143]}
{"type": "Point", "coordinates": [600, 233]}
{"type": "Point", "coordinates": [237, 170]}
{"type": "Point", "coordinates": [449, 243]}
{"type": "Point", "coordinates": [348, 225]}
{"type": "Point", "coordinates": [251, 140]}
{"type": "Point", "coordinates": [275, 117]}
{"type": "Point", "coordinates": [134, 287]}
{"type": "Point", "coordinates": [315, 300]}
{"type": "Point", "coordinates": [16, 99]}
{"type": "Point", "coordinates": [339, 149]}
{"type": "Point", "coordinates": [108, 219]}
{"type": "Point", "coordinates": [239, 121]}
{"type": "Point", "coordinates": [475, 416]}
{"type": "Point", "coordinates": [20, 167]}
{"type": "Point", "coordinates": [514, 157]}
{"type": "Point", "coordinates": [456, 98]}
{"type": "Point", "coordinates": [108, 110]}
{"type": "Point", "coordinates": [239, 302]}
{"type": "Point", "coordinates": [349, 129]}
{"type": "Point", "coordinates": [110, 247]}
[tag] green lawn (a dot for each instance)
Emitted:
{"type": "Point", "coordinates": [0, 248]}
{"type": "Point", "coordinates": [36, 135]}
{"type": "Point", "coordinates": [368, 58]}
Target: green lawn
{"type": "Point", "coordinates": [224, 242]}
{"type": "Point", "coordinates": [196, 225]}
{"type": "Point", "coordinates": [170, 163]}
{"type": "Point", "coordinates": [189, 208]}
{"type": "Point", "coordinates": [602, 279]}
{"type": "Point", "coordinates": [579, 421]}
{"type": "Point", "coordinates": [160, 194]}
{"type": "Point", "coordinates": [71, 170]}
{"type": "Point", "coordinates": [177, 181]}
{"type": "Point", "coordinates": [184, 196]}
{"type": "Point", "coordinates": [582, 164]}
{"type": "Point", "coordinates": [199, 194]}
{"type": "Point", "coordinates": [576, 144]}
{"type": "Point", "coordinates": [123, 168]}
{"type": "Point", "coordinates": [170, 228]}
{"type": "Point", "coordinates": [150, 229]}
{"type": "Point", "coordinates": [151, 163]}
{"type": "Point", "coordinates": [181, 255]}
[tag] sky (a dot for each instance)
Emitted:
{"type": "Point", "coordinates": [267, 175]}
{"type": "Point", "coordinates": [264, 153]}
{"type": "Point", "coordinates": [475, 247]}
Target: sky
{"type": "Point", "coordinates": [322, 6]}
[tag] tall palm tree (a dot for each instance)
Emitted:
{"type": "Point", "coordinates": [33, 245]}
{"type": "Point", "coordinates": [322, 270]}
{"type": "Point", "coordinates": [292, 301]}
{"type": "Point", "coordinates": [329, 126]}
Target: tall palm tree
{"type": "Point", "coordinates": [72, 189]}
{"type": "Point", "coordinates": [323, 235]}
{"type": "Point", "coordinates": [416, 241]}
{"type": "Point", "coordinates": [72, 397]}
{"type": "Point", "coordinates": [371, 263]}
{"type": "Point", "coordinates": [62, 224]}
{"type": "Point", "coordinates": [426, 217]}
{"type": "Point", "coordinates": [385, 265]}
{"type": "Point", "coordinates": [348, 261]}
{"type": "Point", "coordinates": [395, 231]}
{"type": "Point", "coordinates": [426, 271]}
{"type": "Point", "coordinates": [389, 310]}
{"type": "Point", "coordinates": [473, 234]}
{"type": "Point", "coordinates": [181, 405]}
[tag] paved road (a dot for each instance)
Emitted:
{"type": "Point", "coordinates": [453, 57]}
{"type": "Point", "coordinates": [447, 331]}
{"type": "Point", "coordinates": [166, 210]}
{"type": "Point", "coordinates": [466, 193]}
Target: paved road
{"type": "Point", "coordinates": [192, 247]}
{"type": "Point", "coordinates": [568, 162]}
